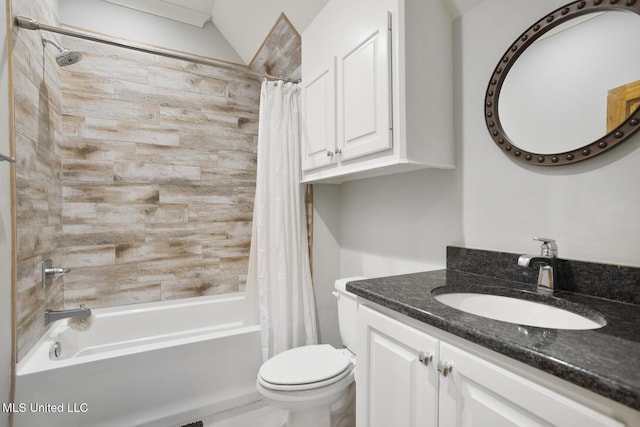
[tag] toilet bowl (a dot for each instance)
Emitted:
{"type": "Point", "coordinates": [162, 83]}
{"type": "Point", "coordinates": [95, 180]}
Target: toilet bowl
{"type": "Point", "coordinates": [315, 383]}
{"type": "Point", "coordinates": [307, 382]}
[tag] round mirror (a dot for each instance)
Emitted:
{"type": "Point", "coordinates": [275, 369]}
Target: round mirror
{"type": "Point", "coordinates": [575, 92]}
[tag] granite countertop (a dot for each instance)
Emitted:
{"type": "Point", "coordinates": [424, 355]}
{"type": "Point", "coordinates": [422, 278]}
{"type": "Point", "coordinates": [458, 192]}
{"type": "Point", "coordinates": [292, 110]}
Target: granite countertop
{"type": "Point", "coordinates": [603, 360]}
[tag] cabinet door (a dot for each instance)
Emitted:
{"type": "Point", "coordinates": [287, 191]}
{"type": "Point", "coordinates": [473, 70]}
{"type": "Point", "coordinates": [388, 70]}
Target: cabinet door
{"type": "Point", "coordinates": [477, 393]}
{"type": "Point", "coordinates": [393, 387]}
{"type": "Point", "coordinates": [364, 88]}
{"type": "Point", "coordinates": [319, 119]}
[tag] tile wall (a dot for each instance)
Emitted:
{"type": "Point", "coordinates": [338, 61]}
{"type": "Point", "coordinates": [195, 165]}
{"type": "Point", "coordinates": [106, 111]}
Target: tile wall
{"type": "Point", "coordinates": [37, 130]}
{"type": "Point", "coordinates": [158, 173]}
{"type": "Point", "coordinates": [135, 171]}
{"type": "Point", "coordinates": [281, 52]}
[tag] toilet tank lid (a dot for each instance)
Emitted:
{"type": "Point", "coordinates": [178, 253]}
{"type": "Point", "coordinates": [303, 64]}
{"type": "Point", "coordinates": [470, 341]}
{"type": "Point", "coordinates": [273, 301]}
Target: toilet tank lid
{"type": "Point", "coordinates": [341, 284]}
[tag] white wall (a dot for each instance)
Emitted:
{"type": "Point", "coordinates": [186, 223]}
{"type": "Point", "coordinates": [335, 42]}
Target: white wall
{"type": "Point", "coordinates": [402, 223]}
{"type": "Point", "coordinates": [122, 22]}
{"type": "Point", "coordinates": [326, 259]}
{"type": "Point", "coordinates": [5, 225]}
{"type": "Point", "coordinates": [590, 208]}
{"type": "Point", "coordinates": [398, 224]}
{"type": "Point", "coordinates": [379, 227]}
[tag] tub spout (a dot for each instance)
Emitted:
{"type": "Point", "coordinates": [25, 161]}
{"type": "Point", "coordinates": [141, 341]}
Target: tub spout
{"type": "Point", "coordinates": [51, 316]}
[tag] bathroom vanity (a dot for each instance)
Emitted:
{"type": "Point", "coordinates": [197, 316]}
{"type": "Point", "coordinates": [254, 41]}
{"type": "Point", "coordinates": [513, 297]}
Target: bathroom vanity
{"type": "Point", "coordinates": [421, 362]}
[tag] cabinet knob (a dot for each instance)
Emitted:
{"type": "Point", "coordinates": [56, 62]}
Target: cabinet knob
{"type": "Point", "coordinates": [338, 151]}
{"type": "Point", "coordinates": [445, 368]}
{"type": "Point", "coordinates": [329, 153]}
{"type": "Point", "coordinates": [425, 358]}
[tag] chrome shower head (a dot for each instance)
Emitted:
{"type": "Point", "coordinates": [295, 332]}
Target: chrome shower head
{"type": "Point", "coordinates": [68, 57]}
{"type": "Point", "coordinates": [65, 56]}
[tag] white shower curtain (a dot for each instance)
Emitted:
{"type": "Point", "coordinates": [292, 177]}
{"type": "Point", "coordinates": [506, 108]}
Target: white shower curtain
{"type": "Point", "coordinates": [279, 272]}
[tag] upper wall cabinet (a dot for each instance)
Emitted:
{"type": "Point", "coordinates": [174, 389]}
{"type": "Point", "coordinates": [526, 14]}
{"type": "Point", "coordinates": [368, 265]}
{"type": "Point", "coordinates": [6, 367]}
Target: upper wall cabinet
{"type": "Point", "coordinates": [376, 89]}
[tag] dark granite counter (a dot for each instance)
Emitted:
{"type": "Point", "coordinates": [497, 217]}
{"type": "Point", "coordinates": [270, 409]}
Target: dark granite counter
{"type": "Point", "coordinates": [605, 360]}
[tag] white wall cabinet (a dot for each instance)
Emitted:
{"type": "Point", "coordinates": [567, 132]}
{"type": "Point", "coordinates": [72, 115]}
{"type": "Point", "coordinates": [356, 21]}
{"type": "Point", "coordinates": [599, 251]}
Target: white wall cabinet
{"type": "Point", "coordinates": [454, 389]}
{"type": "Point", "coordinates": [318, 128]}
{"type": "Point", "coordinates": [376, 89]}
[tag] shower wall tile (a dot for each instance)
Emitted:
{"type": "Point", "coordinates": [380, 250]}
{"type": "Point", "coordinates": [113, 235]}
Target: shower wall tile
{"type": "Point", "coordinates": [109, 192]}
{"type": "Point", "coordinates": [158, 169]}
{"type": "Point", "coordinates": [37, 128]}
{"type": "Point", "coordinates": [186, 268]}
{"type": "Point", "coordinates": [111, 293]}
{"type": "Point", "coordinates": [160, 154]}
{"type": "Point", "coordinates": [101, 234]}
{"type": "Point", "coordinates": [166, 250]}
{"type": "Point", "coordinates": [76, 148]}
{"type": "Point", "coordinates": [76, 105]}
{"type": "Point", "coordinates": [155, 172]}
{"type": "Point", "coordinates": [89, 256]}
{"type": "Point", "coordinates": [202, 214]}
{"type": "Point", "coordinates": [88, 170]}
{"type": "Point", "coordinates": [281, 52]}
{"type": "Point", "coordinates": [128, 131]}
{"type": "Point", "coordinates": [187, 81]}
{"type": "Point", "coordinates": [135, 171]}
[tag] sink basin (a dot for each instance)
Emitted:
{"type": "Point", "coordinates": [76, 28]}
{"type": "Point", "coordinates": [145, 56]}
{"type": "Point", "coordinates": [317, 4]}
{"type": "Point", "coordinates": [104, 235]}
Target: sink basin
{"type": "Point", "coordinates": [519, 311]}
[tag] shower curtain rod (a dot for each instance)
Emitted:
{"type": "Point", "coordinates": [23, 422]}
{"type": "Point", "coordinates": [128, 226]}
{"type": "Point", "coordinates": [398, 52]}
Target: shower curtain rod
{"type": "Point", "coordinates": [7, 158]}
{"type": "Point", "coordinates": [32, 24]}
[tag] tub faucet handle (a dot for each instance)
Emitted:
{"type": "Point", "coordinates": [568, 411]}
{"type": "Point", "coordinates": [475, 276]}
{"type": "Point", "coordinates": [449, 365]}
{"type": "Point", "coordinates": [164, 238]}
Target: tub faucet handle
{"type": "Point", "coordinates": [48, 272]}
{"type": "Point", "coordinates": [56, 271]}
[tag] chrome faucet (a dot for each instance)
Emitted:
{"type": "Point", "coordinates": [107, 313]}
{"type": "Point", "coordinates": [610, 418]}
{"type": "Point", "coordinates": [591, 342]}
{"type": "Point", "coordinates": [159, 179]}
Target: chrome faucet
{"type": "Point", "coordinates": [547, 260]}
{"type": "Point", "coordinates": [48, 272]}
{"type": "Point", "coordinates": [51, 316]}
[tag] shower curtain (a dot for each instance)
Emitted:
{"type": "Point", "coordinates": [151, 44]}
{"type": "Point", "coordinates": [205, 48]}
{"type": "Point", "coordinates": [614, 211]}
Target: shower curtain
{"type": "Point", "coordinates": [279, 272]}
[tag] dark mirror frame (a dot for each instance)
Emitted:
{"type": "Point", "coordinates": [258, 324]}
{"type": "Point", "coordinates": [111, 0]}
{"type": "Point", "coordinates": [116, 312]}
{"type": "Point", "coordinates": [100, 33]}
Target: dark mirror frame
{"type": "Point", "coordinates": [544, 25]}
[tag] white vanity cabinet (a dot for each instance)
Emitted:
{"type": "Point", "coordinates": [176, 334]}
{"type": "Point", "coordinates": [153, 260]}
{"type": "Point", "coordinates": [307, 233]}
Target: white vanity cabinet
{"type": "Point", "coordinates": [396, 380]}
{"type": "Point", "coordinates": [376, 91]}
{"type": "Point", "coordinates": [394, 386]}
{"type": "Point", "coordinates": [479, 393]}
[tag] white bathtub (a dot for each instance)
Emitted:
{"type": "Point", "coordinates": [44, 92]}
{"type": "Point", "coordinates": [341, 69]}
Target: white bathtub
{"type": "Point", "coordinates": [155, 364]}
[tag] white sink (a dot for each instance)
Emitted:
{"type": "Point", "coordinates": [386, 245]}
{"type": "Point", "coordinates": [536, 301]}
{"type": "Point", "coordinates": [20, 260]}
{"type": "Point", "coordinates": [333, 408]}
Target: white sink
{"type": "Point", "coordinates": [519, 311]}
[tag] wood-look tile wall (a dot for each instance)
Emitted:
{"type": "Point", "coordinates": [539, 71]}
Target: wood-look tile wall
{"type": "Point", "coordinates": [135, 171]}
{"type": "Point", "coordinates": [37, 130]}
{"type": "Point", "coordinates": [158, 172]}
{"type": "Point", "coordinates": [281, 51]}
{"type": "Point", "coordinates": [281, 55]}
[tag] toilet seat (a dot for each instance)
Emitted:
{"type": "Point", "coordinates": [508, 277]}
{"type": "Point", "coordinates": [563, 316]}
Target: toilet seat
{"type": "Point", "coordinates": [305, 368]}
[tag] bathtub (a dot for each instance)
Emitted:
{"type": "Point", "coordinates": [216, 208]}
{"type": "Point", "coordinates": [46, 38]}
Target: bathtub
{"type": "Point", "coordinates": [152, 364]}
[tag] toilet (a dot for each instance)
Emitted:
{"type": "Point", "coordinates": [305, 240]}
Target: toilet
{"type": "Point", "coordinates": [315, 383]}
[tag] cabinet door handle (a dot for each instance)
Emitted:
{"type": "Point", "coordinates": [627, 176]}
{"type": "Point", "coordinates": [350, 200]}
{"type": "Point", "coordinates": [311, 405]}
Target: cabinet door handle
{"type": "Point", "coordinates": [338, 151]}
{"type": "Point", "coordinates": [329, 153]}
{"type": "Point", "coordinates": [425, 358]}
{"type": "Point", "coordinates": [445, 368]}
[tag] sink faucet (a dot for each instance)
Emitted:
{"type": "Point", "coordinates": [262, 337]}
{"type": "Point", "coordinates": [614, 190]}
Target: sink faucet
{"type": "Point", "coordinates": [51, 316]}
{"type": "Point", "coordinates": [547, 261]}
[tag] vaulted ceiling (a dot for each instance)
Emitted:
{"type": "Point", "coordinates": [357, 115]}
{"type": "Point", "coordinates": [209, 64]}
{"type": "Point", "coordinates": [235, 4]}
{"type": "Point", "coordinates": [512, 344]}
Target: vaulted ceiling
{"type": "Point", "coordinates": [245, 23]}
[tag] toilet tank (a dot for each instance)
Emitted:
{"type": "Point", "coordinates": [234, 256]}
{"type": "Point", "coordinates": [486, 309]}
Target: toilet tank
{"type": "Point", "coordinates": [347, 313]}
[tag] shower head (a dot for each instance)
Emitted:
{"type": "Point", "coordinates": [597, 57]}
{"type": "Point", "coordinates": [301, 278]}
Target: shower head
{"type": "Point", "coordinates": [65, 56]}
{"type": "Point", "coordinates": [68, 57]}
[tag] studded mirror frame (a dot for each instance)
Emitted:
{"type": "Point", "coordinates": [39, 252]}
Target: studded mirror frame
{"type": "Point", "coordinates": [492, 118]}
